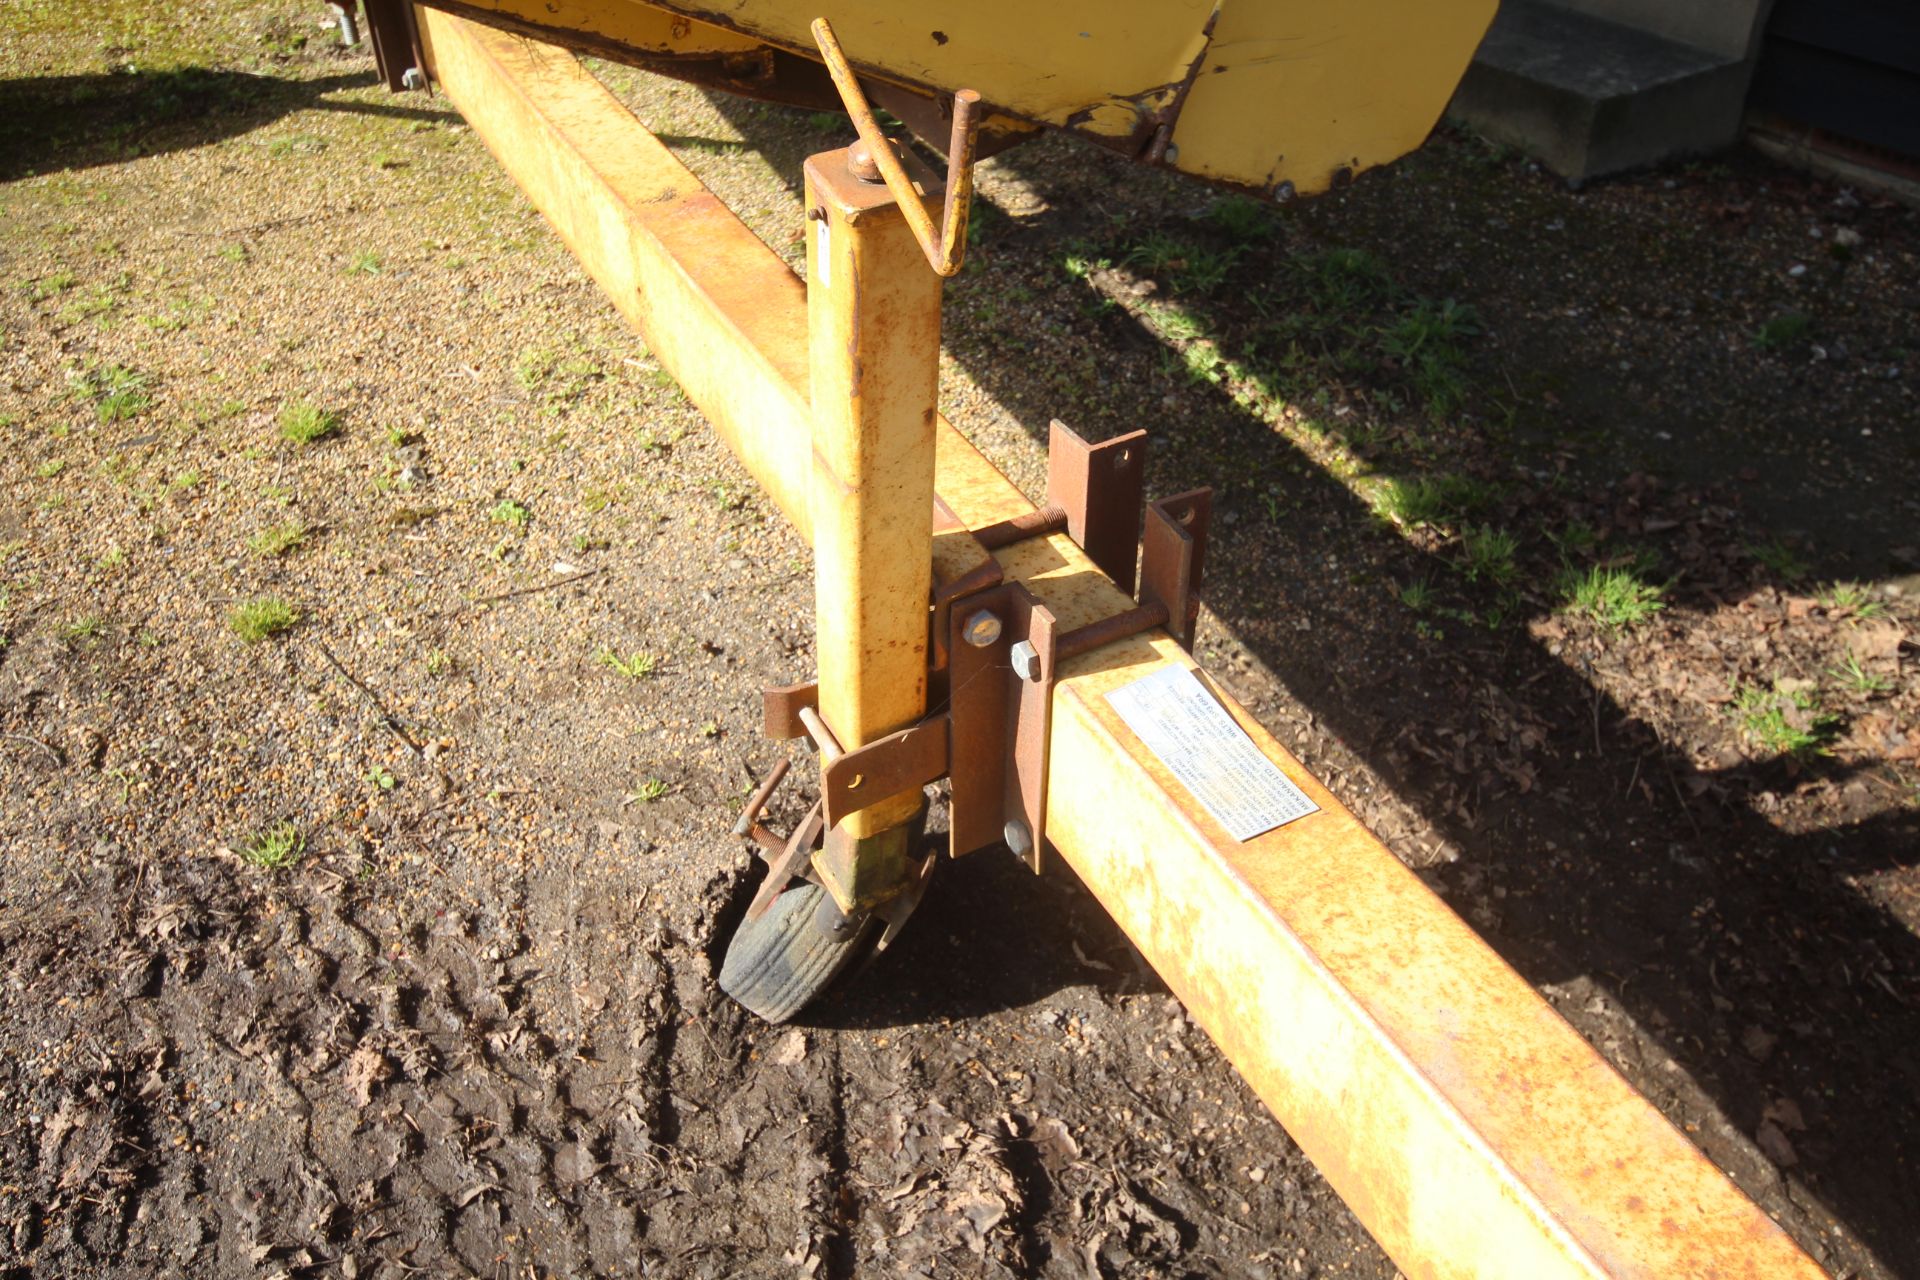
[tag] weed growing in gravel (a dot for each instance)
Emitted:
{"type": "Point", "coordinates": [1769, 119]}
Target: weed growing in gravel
{"type": "Point", "coordinates": [83, 629]}
{"type": "Point", "coordinates": [1780, 558]}
{"type": "Point", "coordinates": [439, 662]}
{"type": "Point", "coordinates": [1783, 330]}
{"type": "Point", "coordinates": [365, 263]}
{"type": "Point", "coordinates": [1784, 720]}
{"type": "Point", "coordinates": [1857, 679]}
{"type": "Point", "coordinates": [1344, 280]}
{"type": "Point", "coordinates": [508, 512]}
{"type": "Point", "coordinates": [118, 393]}
{"type": "Point", "coordinates": [277, 540]}
{"type": "Point", "coordinates": [1490, 553]}
{"type": "Point", "coordinates": [280, 845]}
{"type": "Point", "coordinates": [304, 422]}
{"type": "Point", "coordinates": [1435, 500]}
{"type": "Point", "coordinates": [48, 470]}
{"type": "Point", "coordinates": [296, 144]}
{"type": "Point", "coordinates": [1426, 339]}
{"type": "Point", "coordinates": [1242, 219]}
{"type": "Point", "coordinates": [382, 778]}
{"type": "Point", "coordinates": [47, 286]}
{"type": "Point", "coordinates": [1613, 596]}
{"type": "Point", "coordinates": [635, 666]}
{"type": "Point", "coordinates": [1853, 599]}
{"type": "Point", "coordinates": [1193, 268]}
{"type": "Point", "coordinates": [1417, 595]}
{"type": "Point", "coordinates": [647, 792]}
{"type": "Point", "coordinates": [259, 618]}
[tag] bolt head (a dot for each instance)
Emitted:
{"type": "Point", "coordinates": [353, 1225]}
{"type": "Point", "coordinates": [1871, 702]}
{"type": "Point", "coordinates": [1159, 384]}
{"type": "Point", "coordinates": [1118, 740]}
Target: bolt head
{"type": "Point", "coordinates": [1018, 838]}
{"type": "Point", "coordinates": [1171, 154]}
{"type": "Point", "coordinates": [413, 78]}
{"type": "Point", "coordinates": [982, 629]}
{"type": "Point", "coordinates": [1026, 660]}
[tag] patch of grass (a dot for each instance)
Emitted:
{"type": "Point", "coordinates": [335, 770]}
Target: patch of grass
{"type": "Point", "coordinates": [279, 846]}
{"type": "Point", "coordinates": [304, 422]}
{"type": "Point", "coordinates": [296, 144]}
{"type": "Point", "coordinates": [261, 617]}
{"type": "Point", "coordinates": [278, 539]}
{"type": "Point", "coordinates": [559, 377]}
{"type": "Point", "coordinates": [648, 791]}
{"type": "Point", "coordinates": [439, 662]}
{"type": "Point", "coordinates": [1242, 218]}
{"type": "Point", "coordinates": [829, 122]}
{"type": "Point", "coordinates": [1577, 538]}
{"type": "Point", "coordinates": [83, 629]}
{"type": "Point", "coordinates": [1857, 679]}
{"type": "Point", "coordinates": [365, 263]}
{"type": "Point", "coordinates": [1780, 558]}
{"type": "Point", "coordinates": [47, 286]}
{"type": "Point", "coordinates": [1489, 553]}
{"type": "Point", "coordinates": [508, 512]}
{"type": "Point", "coordinates": [1427, 340]}
{"type": "Point", "coordinates": [49, 469]}
{"type": "Point", "coordinates": [1417, 595]}
{"type": "Point", "coordinates": [1784, 720]}
{"type": "Point", "coordinates": [1428, 500]}
{"type": "Point", "coordinates": [1854, 600]}
{"type": "Point", "coordinates": [1347, 280]}
{"type": "Point", "coordinates": [1612, 595]}
{"type": "Point", "coordinates": [1193, 268]}
{"type": "Point", "coordinates": [118, 393]}
{"type": "Point", "coordinates": [635, 666]}
{"type": "Point", "coordinates": [1783, 330]}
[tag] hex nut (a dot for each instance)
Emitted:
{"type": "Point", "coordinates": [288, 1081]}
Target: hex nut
{"type": "Point", "coordinates": [1025, 659]}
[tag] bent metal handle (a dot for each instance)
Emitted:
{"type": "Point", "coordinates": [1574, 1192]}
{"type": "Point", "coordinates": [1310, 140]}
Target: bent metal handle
{"type": "Point", "coordinates": [946, 245]}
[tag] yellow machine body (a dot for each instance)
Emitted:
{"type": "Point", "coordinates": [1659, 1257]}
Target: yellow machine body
{"type": "Point", "coordinates": [1280, 97]}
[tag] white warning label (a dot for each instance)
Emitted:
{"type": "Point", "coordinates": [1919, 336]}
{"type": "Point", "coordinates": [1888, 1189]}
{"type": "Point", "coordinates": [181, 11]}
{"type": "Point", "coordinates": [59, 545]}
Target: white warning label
{"type": "Point", "coordinates": [1211, 755]}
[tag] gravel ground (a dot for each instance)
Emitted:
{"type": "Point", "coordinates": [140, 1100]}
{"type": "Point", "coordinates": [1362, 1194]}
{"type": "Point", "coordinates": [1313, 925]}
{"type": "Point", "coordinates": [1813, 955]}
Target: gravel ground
{"type": "Point", "coordinates": [385, 942]}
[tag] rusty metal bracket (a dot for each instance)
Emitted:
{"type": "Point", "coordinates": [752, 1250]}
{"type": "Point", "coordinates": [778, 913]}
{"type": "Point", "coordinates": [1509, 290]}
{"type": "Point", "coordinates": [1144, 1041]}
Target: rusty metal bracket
{"type": "Point", "coordinates": [862, 776]}
{"type": "Point", "coordinates": [997, 715]}
{"type": "Point", "coordinates": [1174, 551]}
{"type": "Point", "coordinates": [1093, 492]}
{"type": "Point", "coordinates": [781, 707]}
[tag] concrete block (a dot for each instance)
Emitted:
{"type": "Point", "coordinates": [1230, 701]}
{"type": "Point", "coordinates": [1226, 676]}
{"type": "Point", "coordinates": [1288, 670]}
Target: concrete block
{"type": "Point", "coordinates": [1589, 97]}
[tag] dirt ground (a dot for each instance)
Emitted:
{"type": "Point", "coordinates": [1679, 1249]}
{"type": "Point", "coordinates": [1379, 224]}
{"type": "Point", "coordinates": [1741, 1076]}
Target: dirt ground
{"type": "Point", "coordinates": [1570, 537]}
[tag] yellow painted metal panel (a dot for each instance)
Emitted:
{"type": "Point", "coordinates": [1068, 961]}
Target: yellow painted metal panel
{"type": "Point", "coordinates": [1257, 92]}
{"type": "Point", "coordinates": [1469, 1127]}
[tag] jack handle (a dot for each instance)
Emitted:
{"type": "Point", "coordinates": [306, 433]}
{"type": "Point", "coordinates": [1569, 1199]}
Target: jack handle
{"type": "Point", "coordinates": [946, 245]}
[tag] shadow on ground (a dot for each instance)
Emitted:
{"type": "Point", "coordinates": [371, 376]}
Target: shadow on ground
{"type": "Point", "coordinates": [53, 123]}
